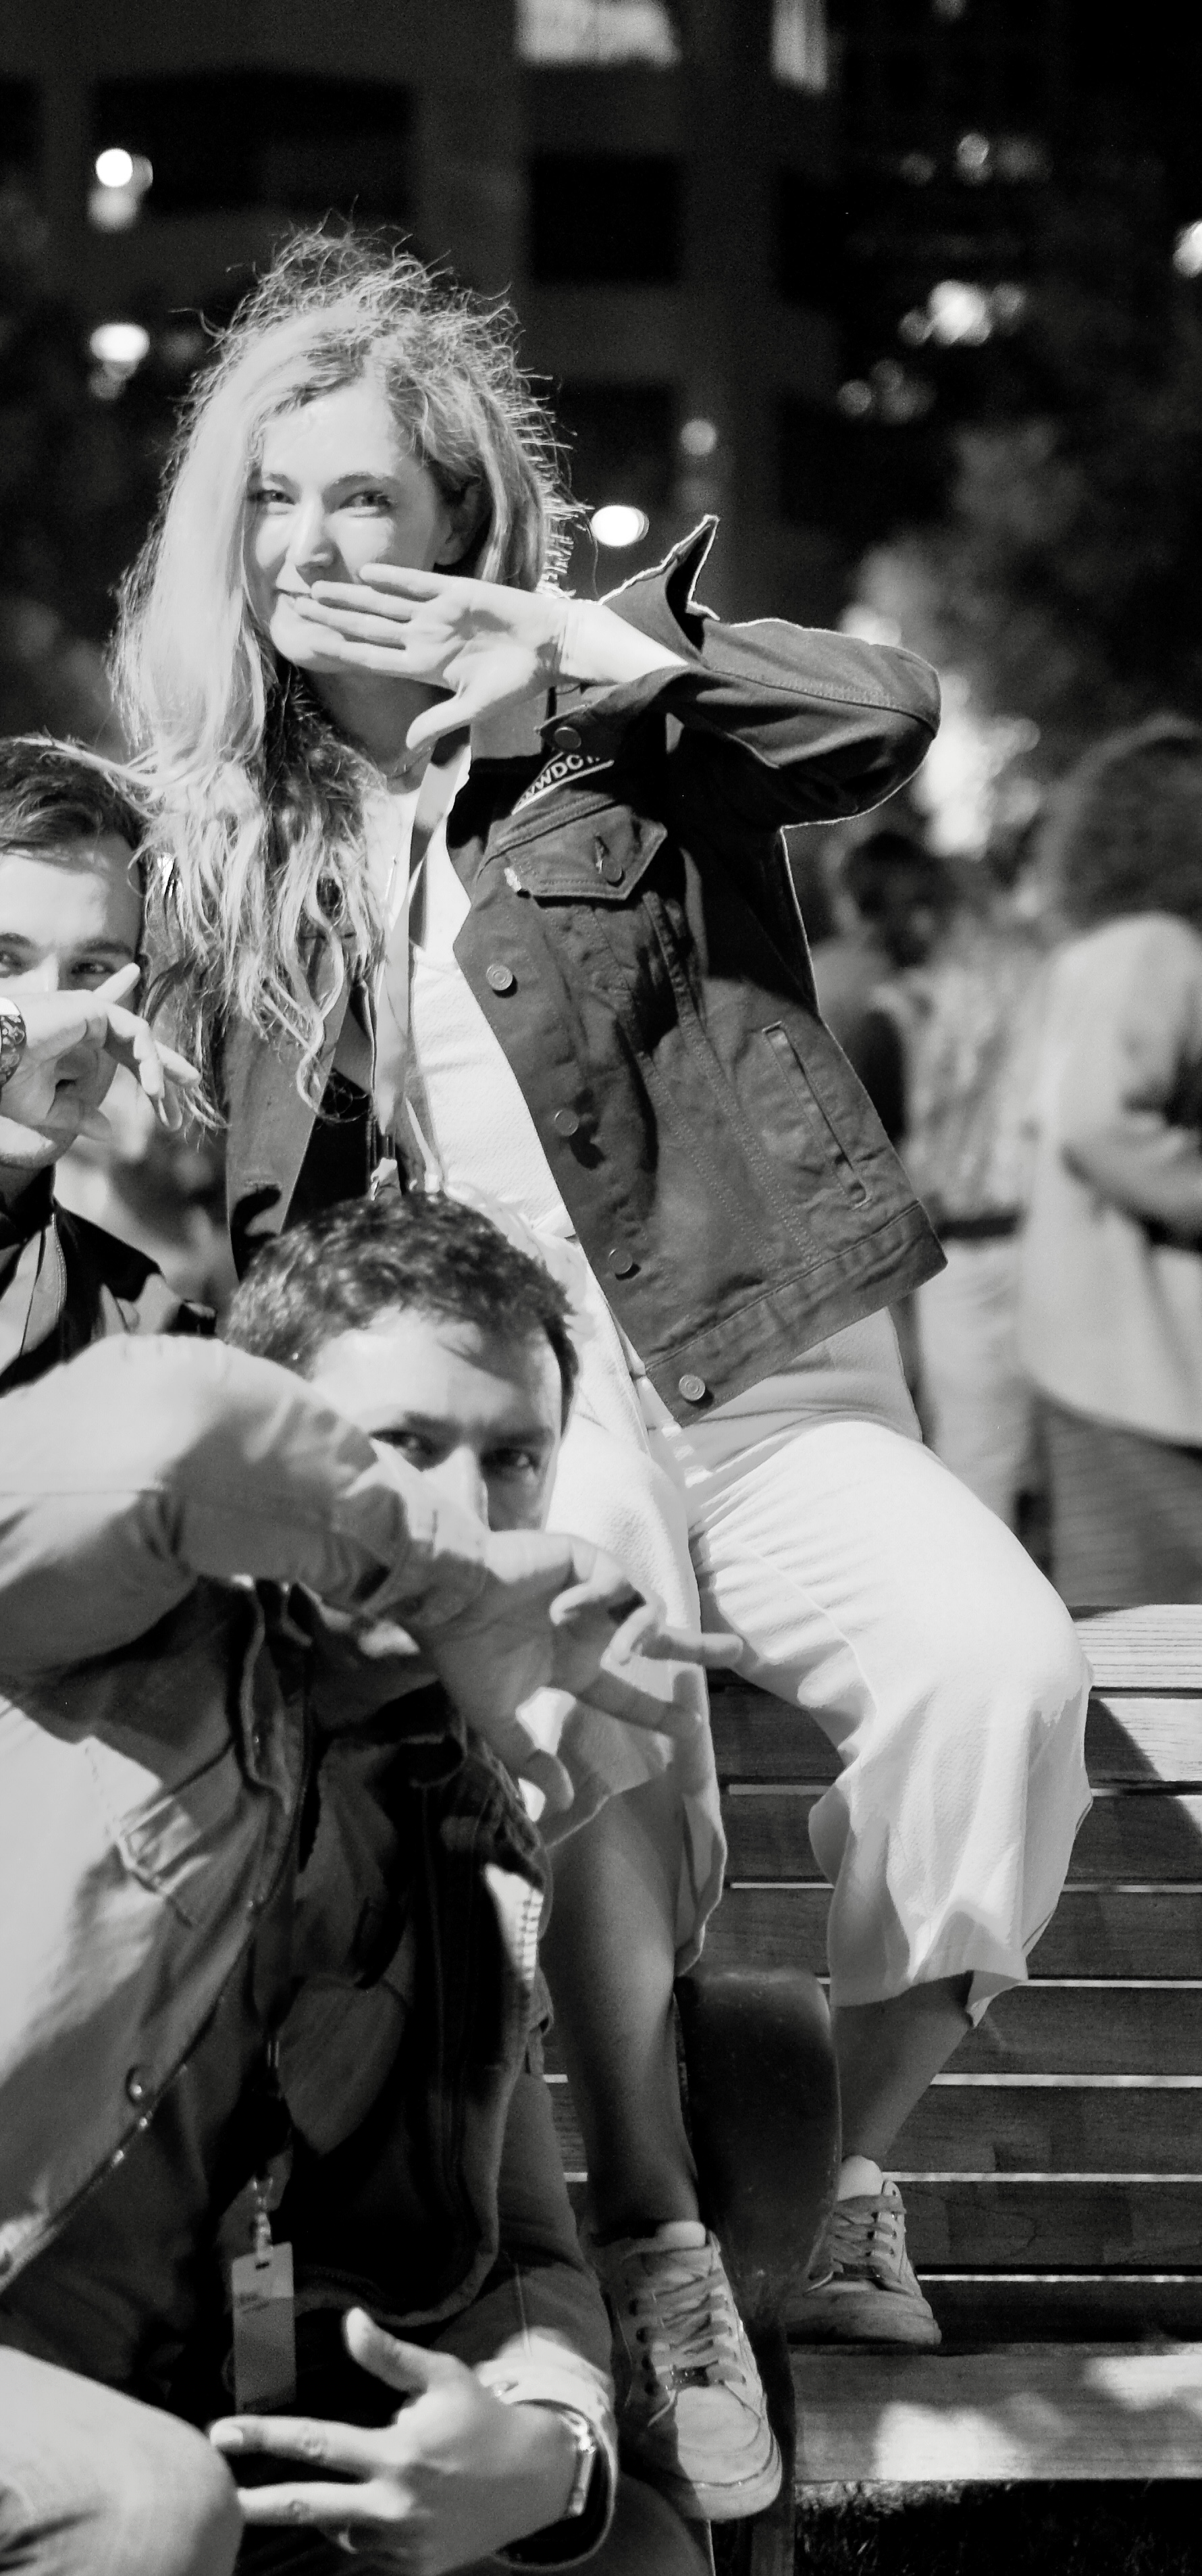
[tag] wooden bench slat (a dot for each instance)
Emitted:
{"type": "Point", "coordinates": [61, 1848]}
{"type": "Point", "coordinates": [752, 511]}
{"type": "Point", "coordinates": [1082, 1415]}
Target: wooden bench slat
{"type": "Point", "coordinates": [1049, 2224]}
{"type": "Point", "coordinates": [1137, 1738]}
{"type": "Point", "coordinates": [1095, 1932]}
{"type": "Point", "coordinates": [976, 2308]}
{"type": "Point", "coordinates": [1088, 2029]}
{"type": "Point", "coordinates": [1157, 1647]}
{"type": "Point", "coordinates": [1047, 2412]}
{"type": "Point", "coordinates": [1124, 1837]}
{"type": "Point", "coordinates": [999, 2130]}
{"type": "Point", "coordinates": [1052, 2128]}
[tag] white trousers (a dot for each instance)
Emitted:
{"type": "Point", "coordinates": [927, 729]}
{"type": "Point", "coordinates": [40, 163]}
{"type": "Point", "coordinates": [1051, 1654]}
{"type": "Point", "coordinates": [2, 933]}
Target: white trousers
{"type": "Point", "coordinates": [872, 1589]}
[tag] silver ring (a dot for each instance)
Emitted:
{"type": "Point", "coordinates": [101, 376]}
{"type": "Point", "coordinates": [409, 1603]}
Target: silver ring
{"type": "Point", "coordinates": [345, 2539]}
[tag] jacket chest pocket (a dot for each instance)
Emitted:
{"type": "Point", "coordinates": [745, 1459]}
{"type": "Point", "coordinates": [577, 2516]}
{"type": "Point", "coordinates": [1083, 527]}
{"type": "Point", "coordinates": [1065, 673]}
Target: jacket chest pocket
{"type": "Point", "coordinates": [598, 858]}
{"type": "Point", "coordinates": [181, 1841]}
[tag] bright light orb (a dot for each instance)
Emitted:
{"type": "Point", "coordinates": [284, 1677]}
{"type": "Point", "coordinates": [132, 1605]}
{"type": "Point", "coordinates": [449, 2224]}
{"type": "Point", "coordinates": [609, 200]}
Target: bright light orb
{"type": "Point", "coordinates": [619, 524]}
{"type": "Point", "coordinates": [959, 313]}
{"type": "Point", "coordinates": [1187, 251]}
{"type": "Point", "coordinates": [114, 168]}
{"type": "Point", "coordinates": [699, 438]}
{"type": "Point", "coordinates": [122, 345]}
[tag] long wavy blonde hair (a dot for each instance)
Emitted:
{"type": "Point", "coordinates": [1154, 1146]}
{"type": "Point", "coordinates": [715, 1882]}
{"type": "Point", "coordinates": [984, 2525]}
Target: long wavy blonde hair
{"type": "Point", "coordinates": [260, 901]}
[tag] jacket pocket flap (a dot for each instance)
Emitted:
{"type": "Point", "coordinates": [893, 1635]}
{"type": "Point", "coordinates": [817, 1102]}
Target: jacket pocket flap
{"type": "Point", "coordinates": [595, 858]}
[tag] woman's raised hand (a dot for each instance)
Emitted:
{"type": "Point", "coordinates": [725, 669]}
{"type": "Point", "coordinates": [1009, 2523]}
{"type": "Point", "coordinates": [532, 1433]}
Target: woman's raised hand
{"type": "Point", "coordinates": [490, 646]}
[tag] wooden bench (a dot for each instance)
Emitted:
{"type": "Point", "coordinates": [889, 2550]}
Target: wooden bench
{"type": "Point", "coordinates": [1053, 2175]}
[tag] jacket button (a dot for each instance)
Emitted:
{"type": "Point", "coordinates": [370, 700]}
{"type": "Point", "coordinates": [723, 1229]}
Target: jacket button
{"type": "Point", "coordinates": [566, 737]}
{"type": "Point", "coordinates": [622, 1263]}
{"type": "Point", "coordinates": [613, 871]}
{"type": "Point", "coordinates": [692, 1388]}
{"type": "Point", "coordinates": [565, 1122]}
{"type": "Point", "coordinates": [501, 978]}
{"type": "Point", "coordinates": [136, 2085]}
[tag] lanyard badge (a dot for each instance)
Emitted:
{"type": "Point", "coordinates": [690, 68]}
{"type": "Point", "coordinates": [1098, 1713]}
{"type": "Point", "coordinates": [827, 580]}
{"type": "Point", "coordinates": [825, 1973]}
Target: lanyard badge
{"type": "Point", "coordinates": [262, 2291]}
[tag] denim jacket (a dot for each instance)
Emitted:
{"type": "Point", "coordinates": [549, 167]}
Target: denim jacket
{"type": "Point", "coordinates": [159, 1681]}
{"type": "Point", "coordinates": [635, 945]}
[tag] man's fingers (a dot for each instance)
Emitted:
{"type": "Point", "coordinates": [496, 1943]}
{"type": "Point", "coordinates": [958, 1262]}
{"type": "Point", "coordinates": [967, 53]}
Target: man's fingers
{"type": "Point", "coordinates": [314, 2506]}
{"type": "Point", "coordinates": [404, 2366]}
{"type": "Point", "coordinates": [715, 1653]}
{"type": "Point", "coordinates": [342, 2447]}
{"type": "Point", "coordinates": [94, 1124]}
{"type": "Point", "coordinates": [115, 986]}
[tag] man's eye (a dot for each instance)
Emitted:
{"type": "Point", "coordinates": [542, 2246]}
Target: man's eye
{"type": "Point", "coordinates": [90, 971]}
{"type": "Point", "coordinates": [514, 1462]}
{"type": "Point", "coordinates": [413, 1445]}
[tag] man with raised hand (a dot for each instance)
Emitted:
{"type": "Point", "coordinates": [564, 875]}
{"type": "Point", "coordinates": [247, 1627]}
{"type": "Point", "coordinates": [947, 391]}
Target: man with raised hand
{"type": "Point", "coordinates": [272, 1906]}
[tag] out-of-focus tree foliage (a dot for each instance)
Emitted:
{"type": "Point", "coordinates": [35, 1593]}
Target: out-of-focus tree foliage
{"type": "Point", "coordinates": [1065, 578]}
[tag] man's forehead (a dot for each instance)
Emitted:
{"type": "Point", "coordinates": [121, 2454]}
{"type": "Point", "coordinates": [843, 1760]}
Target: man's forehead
{"type": "Point", "coordinates": [84, 884]}
{"type": "Point", "coordinates": [439, 1363]}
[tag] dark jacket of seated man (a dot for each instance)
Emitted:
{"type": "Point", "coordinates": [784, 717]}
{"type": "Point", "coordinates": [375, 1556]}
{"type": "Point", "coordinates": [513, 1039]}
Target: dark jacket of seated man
{"type": "Point", "coordinates": [223, 1822]}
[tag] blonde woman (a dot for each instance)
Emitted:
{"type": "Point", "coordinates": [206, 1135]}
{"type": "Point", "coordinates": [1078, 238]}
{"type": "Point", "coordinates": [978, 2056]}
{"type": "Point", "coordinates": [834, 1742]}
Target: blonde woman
{"type": "Point", "coordinates": [461, 872]}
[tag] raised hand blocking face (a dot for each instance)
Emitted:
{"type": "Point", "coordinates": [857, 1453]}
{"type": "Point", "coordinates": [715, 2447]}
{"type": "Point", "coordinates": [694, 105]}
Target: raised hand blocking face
{"type": "Point", "coordinates": [490, 646]}
{"type": "Point", "coordinates": [74, 1043]}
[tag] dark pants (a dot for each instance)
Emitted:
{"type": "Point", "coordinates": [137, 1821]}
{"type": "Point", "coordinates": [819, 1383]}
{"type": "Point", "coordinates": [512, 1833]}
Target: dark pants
{"type": "Point", "coordinates": [94, 2484]}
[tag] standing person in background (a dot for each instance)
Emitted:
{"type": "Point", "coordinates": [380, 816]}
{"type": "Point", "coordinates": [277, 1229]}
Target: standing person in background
{"type": "Point", "coordinates": [553, 957]}
{"type": "Point", "coordinates": [890, 901]}
{"type": "Point", "coordinates": [1112, 1260]}
{"type": "Point", "coordinates": [968, 1019]}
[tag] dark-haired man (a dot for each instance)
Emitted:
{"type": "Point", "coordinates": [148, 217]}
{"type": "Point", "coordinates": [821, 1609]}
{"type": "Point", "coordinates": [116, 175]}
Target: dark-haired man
{"type": "Point", "coordinates": [274, 1907]}
{"type": "Point", "coordinates": [70, 936]}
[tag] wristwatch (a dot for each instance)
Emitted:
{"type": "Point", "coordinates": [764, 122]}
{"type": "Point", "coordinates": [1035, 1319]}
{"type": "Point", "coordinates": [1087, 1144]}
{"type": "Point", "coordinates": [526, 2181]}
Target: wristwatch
{"type": "Point", "coordinates": [588, 2451]}
{"type": "Point", "coordinates": [12, 1040]}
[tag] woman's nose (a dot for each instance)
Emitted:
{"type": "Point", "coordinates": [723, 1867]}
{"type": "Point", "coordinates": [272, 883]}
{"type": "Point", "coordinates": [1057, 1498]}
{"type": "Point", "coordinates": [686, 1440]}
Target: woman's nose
{"type": "Point", "coordinates": [312, 548]}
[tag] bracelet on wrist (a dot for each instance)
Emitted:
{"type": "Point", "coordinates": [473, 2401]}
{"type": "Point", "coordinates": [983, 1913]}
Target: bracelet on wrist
{"type": "Point", "coordinates": [13, 1040]}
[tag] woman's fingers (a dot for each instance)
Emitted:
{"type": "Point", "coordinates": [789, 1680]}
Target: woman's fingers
{"type": "Point", "coordinates": [355, 598]}
{"type": "Point", "coordinates": [407, 2367]}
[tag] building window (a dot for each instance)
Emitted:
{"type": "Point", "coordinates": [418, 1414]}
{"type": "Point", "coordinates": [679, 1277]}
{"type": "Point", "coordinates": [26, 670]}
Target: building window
{"type": "Point", "coordinates": [800, 48]}
{"type": "Point", "coordinates": [596, 31]}
{"type": "Point", "coordinates": [604, 219]}
{"type": "Point", "coordinates": [20, 132]}
{"type": "Point", "coordinates": [810, 226]}
{"type": "Point", "coordinates": [619, 440]}
{"type": "Point", "coordinates": [219, 141]}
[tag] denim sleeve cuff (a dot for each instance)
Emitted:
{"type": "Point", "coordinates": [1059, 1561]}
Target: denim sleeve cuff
{"type": "Point", "coordinates": [534, 2372]}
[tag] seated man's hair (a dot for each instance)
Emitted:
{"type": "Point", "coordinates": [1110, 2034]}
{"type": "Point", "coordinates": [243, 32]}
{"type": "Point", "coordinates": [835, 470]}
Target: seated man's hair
{"type": "Point", "coordinates": [338, 1271]}
{"type": "Point", "coordinates": [56, 792]}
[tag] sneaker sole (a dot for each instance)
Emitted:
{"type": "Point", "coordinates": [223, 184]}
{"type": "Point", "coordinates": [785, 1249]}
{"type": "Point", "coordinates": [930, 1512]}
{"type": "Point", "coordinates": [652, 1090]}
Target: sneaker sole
{"type": "Point", "coordinates": [706, 2503]}
{"type": "Point", "coordinates": [866, 2317]}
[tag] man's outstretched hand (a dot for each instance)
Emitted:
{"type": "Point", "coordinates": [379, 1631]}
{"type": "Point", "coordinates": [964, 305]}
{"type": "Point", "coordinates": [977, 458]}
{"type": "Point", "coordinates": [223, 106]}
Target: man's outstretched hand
{"type": "Point", "coordinates": [456, 2476]}
{"type": "Point", "coordinates": [557, 1613]}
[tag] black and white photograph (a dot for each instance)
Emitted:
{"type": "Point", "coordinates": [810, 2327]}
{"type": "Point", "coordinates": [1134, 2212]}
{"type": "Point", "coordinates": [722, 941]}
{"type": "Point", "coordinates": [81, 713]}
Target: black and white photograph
{"type": "Point", "coordinates": [600, 1287]}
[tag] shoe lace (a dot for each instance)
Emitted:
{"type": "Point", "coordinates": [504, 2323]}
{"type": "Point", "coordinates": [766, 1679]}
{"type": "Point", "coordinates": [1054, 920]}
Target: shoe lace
{"type": "Point", "coordinates": [867, 2236]}
{"type": "Point", "coordinates": [685, 2326]}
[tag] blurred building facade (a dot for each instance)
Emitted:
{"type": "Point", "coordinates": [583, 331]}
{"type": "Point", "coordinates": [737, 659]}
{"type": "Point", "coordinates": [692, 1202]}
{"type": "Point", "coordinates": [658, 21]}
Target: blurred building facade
{"type": "Point", "coordinates": [616, 166]}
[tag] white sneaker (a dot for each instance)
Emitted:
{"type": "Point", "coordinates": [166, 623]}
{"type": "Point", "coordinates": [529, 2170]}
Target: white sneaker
{"type": "Point", "coordinates": [864, 2289]}
{"type": "Point", "coordinates": [692, 2415]}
